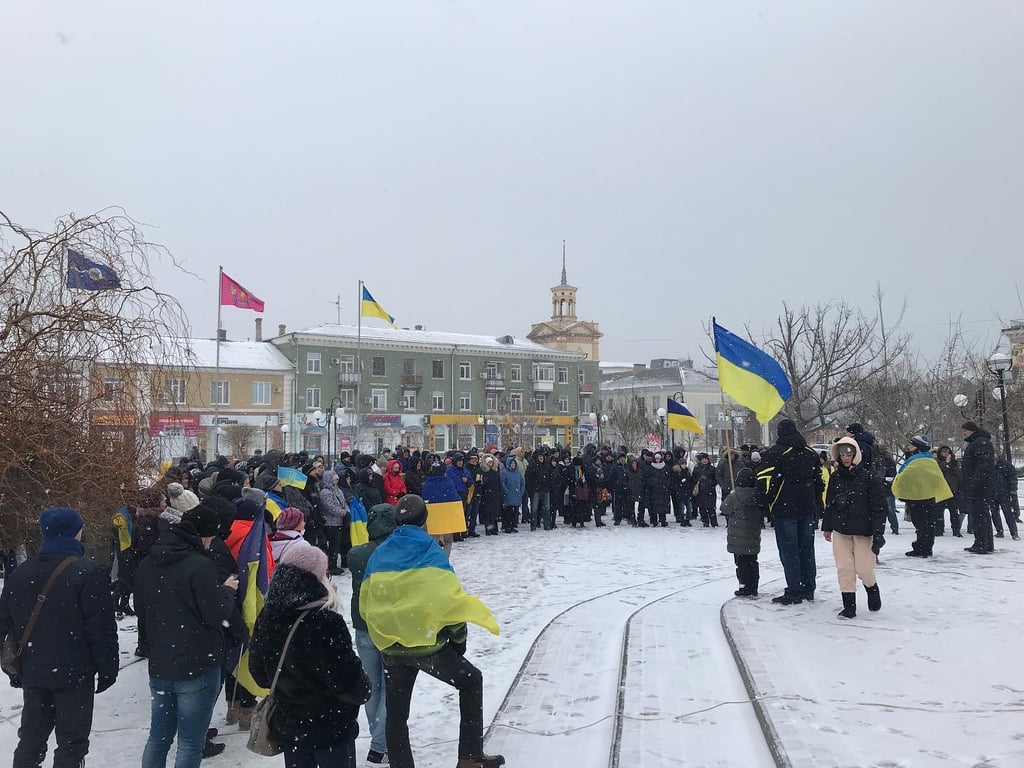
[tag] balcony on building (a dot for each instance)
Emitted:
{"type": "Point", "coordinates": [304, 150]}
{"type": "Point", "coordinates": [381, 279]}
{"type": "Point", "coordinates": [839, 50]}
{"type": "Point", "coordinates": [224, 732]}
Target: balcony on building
{"type": "Point", "coordinates": [412, 381]}
{"type": "Point", "coordinates": [493, 382]}
{"type": "Point", "coordinates": [348, 378]}
{"type": "Point", "coordinates": [543, 385]}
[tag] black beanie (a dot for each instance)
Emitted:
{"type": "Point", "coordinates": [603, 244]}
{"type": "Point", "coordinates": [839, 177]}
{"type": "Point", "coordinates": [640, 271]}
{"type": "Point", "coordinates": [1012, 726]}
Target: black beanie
{"type": "Point", "coordinates": [970, 426]}
{"type": "Point", "coordinates": [204, 519]}
{"type": "Point", "coordinates": [787, 427]}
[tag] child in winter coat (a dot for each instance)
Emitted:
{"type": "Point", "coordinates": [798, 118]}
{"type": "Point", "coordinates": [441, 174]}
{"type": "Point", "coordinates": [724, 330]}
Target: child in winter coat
{"type": "Point", "coordinates": [744, 533]}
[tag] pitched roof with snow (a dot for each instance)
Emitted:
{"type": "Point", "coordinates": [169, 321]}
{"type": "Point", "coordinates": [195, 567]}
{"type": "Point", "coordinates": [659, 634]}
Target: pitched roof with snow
{"type": "Point", "coordinates": [384, 336]}
{"type": "Point", "coordinates": [202, 353]}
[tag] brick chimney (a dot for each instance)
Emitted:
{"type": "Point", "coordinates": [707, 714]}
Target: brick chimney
{"type": "Point", "coordinates": [259, 329]}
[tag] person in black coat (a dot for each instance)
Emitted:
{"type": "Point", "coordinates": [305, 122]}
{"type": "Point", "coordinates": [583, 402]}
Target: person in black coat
{"type": "Point", "coordinates": [743, 539]}
{"type": "Point", "coordinates": [951, 472]}
{"type": "Point", "coordinates": [322, 683]}
{"type": "Point", "coordinates": [73, 645]}
{"type": "Point", "coordinates": [622, 496]}
{"type": "Point", "coordinates": [790, 488]}
{"type": "Point", "coordinates": [977, 467]}
{"type": "Point", "coordinates": [1004, 491]}
{"type": "Point", "coordinates": [659, 491]}
{"type": "Point", "coordinates": [704, 482]}
{"type": "Point", "coordinates": [538, 488]}
{"type": "Point", "coordinates": [489, 491]}
{"type": "Point", "coordinates": [854, 521]}
{"type": "Point", "coordinates": [682, 488]}
{"type": "Point", "coordinates": [559, 484]}
{"type": "Point", "coordinates": [415, 476]}
{"type": "Point", "coordinates": [184, 606]}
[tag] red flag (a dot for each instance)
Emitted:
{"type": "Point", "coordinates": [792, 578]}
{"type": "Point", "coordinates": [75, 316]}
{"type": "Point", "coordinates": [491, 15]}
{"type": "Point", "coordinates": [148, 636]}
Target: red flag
{"type": "Point", "coordinates": [234, 295]}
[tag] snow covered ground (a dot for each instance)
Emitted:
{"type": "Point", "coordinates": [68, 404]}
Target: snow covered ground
{"type": "Point", "coordinates": [631, 665]}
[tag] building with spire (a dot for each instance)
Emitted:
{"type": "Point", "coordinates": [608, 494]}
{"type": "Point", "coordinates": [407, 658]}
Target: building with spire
{"type": "Point", "coordinates": [565, 330]}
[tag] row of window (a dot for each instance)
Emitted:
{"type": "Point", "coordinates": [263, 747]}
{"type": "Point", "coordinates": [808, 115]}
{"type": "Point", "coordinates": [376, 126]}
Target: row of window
{"type": "Point", "coordinates": [377, 400]}
{"type": "Point", "coordinates": [378, 367]}
{"type": "Point", "coordinates": [174, 393]}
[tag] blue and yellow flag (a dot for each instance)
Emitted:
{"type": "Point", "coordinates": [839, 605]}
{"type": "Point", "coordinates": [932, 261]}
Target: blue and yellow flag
{"type": "Point", "coordinates": [920, 479]}
{"type": "Point", "coordinates": [275, 504]}
{"type": "Point", "coordinates": [253, 583]}
{"type": "Point", "coordinates": [410, 593]}
{"type": "Point", "coordinates": [749, 376]}
{"type": "Point", "coordinates": [357, 519]}
{"type": "Point", "coordinates": [445, 512]}
{"type": "Point", "coordinates": [291, 476]}
{"type": "Point", "coordinates": [370, 308]}
{"type": "Point", "coordinates": [679, 417]}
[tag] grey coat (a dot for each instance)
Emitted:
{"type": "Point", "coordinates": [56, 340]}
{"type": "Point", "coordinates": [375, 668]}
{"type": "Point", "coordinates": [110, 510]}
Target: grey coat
{"type": "Point", "coordinates": [332, 502]}
{"type": "Point", "coordinates": [744, 534]}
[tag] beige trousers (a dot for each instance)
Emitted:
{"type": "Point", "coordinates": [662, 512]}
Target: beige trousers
{"type": "Point", "coordinates": [853, 558]}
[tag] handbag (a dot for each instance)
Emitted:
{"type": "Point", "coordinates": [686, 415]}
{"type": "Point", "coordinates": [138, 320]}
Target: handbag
{"type": "Point", "coordinates": [581, 492]}
{"type": "Point", "coordinates": [11, 650]}
{"type": "Point", "coordinates": [259, 732]}
{"type": "Point", "coordinates": [696, 490]}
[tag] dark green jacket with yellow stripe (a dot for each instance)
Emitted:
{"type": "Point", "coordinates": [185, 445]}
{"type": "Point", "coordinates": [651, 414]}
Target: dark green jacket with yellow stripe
{"type": "Point", "coordinates": [789, 480]}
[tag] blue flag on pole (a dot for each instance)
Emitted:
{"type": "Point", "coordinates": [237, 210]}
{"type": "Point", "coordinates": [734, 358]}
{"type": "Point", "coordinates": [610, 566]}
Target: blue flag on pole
{"type": "Point", "coordinates": [88, 275]}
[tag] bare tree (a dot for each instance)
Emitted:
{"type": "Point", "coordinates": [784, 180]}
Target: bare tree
{"type": "Point", "coordinates": [73, 395]}
{"type": "Point", "coordinates": [239, 437]}
{"type": "Point", "coordinates": [629, 420]}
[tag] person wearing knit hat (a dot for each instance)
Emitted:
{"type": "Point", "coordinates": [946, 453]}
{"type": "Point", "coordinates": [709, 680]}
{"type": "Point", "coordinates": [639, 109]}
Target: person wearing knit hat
{"type": "Point", "coordinates": [790, 489]}
{"type": "Point", "coordinates": [180, 498]}
{"type": "Point", "coordinates": [308, 558]}
{"type": "Point", "coordinates": [290, 528]}
{"type": "Point", "coordinates": [977, 471]}
{"type": "Point", "coordinates": [72, 652]}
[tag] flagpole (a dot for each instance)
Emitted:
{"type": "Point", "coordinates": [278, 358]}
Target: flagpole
{"type": "Point", "coordinates": [728, 449]}
{"type": "Point", "coordinates": [359, 365]}
{"type": "Point", "coordinates": [216, 403]}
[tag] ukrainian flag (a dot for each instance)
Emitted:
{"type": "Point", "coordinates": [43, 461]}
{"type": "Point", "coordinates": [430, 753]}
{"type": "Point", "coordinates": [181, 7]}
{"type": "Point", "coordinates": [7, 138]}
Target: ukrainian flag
{"type": "Point", "coordinates": [357, 522]}
{"type": "Point", "coordinates": [749, 376]}
{"type": "Point", "coordinates": [254, 570]}
{"type": "Point", "coordinates": [410, 593]}
{"type": "Point", "coordinates": [679, 417]}
{"type": "Point", "coordinates": [275, 504]}
{"type": "Point", "coordinates": [445, 513]}
{"type": "Point", "coordinates": [291, 476]}
{"type": "Point", "coordinates": [370, 308]}
{"type": "Point", "coordinates": [920, 479]}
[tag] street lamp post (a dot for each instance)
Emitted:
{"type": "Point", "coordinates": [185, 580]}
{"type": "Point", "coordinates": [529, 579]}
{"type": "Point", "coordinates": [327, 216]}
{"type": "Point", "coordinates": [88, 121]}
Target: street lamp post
{"type": "Point", "coordinates": [600, 420]}
{"type": "Point", "coordinates": [285, 429]}
{"type": "Point", "coordinates": [661, 418]}
{"type": "Point", "coordinates": [998, 364]}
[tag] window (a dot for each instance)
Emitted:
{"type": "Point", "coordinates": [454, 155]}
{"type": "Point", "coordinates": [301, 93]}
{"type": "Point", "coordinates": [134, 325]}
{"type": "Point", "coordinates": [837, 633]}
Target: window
{"type": "Point", "coordinates": [379, 399]}
{"type": "Point", "coordinates": [437, 401]}
{"type": "Point", "coordinates": [111, 388]}
{"type": "Point", "coordinates": [176, 391]}
{"type": "Point", "coordinates": [491, 371]}
{"type": "Point", "coordinates": [437, 369]}
{"type": "Point", "coordinates": [563, 375]}
{"type": "Point", "coordinates": [261, 393]}
{"type": "Point", "coordinates": [516, 372]}
{"type": "Point", "coordinates": [540, 404]}
{"type": "Point", "coordinates": [543, 372]}
{"type": "Point", "coordinates": [492, 402]}
{"type": "Point", "coordinates": [465, 371]}
{"type": "Point", "coordinates": [563, 405]}
{"type": "Point", "coordinates": [410, 399]}
{"type": "Point", "coordinates": [581, 375]}
{"type": "Point", "coordinates": [515, 402]}
{"type": "Point", "coordinates": [465, 401]}
{"type": "Point", "coordinates": [347, 398]}
{"type": "Point", "coordinates": [378, 367]}
{"type": "Point", "coordinates": [312, 397]}
{"type": "Point", "coordinates": [313, 362]}
{"type": "Point", "coordinates": [409, 366]}
{"type": "Point", "coordinates": [220, 392]}
{"type": "Point", "coordinates": [347, 364]}
{"type": "Point", "coordinates": [585, 404]}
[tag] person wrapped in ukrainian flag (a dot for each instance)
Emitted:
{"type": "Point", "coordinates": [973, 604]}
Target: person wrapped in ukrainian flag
{"type": "Point", "coordinates": [416, 613]}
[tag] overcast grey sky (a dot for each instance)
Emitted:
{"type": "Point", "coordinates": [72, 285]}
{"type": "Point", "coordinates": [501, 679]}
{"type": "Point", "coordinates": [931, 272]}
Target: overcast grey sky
{"type": "Point", "coordinates": [699, 157]}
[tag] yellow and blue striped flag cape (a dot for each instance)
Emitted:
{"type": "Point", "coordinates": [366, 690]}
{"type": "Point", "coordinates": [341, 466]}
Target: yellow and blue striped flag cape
{"type": "Point", "coordinates": [749, 376]}
{"type": "Point", "coordinates": [370, 308]}
{"type": "Point", "coordinates": [445, 513]}
{"type": "Point", "coordinates": [410, 593]}
{"type": "Point", "coordinates": [253, 583]}
{"type": "Point", "coordinates": [679, 417]}
{"type": "Point", "coordinates": [357, 519]}
{"type": "Point", "coordinates": [920, 479]}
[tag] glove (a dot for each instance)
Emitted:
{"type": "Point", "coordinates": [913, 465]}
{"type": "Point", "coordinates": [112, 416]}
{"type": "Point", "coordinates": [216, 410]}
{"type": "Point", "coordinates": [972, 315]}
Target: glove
{"type": "Point", "coordinates": [460, 648]}
{"type": "Point", "coordinates": [15, 681]}
{"type": "Point", "coordinates": [877, 542]}
{"type": "Point", "coordinates": [103, 682]}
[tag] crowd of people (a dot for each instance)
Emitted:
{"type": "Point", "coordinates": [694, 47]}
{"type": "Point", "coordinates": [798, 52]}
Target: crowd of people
{"type": "Point", "coordinates": [183, 544]}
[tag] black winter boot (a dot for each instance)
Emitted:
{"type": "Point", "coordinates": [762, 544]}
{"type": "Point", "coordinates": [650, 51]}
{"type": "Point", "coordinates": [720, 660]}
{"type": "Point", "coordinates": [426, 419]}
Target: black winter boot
{"type": "Point", "coordinates": [874, 598]}
{"type": "Point", "coordinates": [849, 605]}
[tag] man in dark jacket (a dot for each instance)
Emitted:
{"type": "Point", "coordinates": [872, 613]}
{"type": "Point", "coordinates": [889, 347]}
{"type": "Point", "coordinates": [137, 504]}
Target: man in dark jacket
{"type": "Point", "coordinates": [73, 643]}
{"type": "Point", "coordinates": [184, 608]}
{"type": "Point", "coordinates": [622, 497]}
{"type": "Point", "coordinates": [380, 523]}
{"type": "Point", "coordinates": [538, 488]}
{"type": "Point", "coordinates": [1004, 489]}
{"type": "Point", "coordinates": [977, 468]}
{"type": "Point", "coordinates": [790, 487]}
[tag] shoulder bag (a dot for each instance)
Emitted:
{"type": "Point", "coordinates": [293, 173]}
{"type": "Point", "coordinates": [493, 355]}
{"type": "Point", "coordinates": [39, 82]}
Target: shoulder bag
{"type": "Point", "coordinates": [11, 650]}
{"type": "Point", "coordinates": [259, 731]}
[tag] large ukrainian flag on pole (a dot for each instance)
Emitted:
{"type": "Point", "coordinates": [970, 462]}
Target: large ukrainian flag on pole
{"type": "Point", "coordinates": [749, 376]}
{"type": "Point", "coordinates": [358, 519]}
{"type": "Point", "coordinates": [410, 593]}
{"type": "Point", "coordinates": [370, 308]}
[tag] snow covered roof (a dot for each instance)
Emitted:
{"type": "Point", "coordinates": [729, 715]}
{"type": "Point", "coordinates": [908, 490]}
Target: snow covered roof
{"type": "Point", "coordinates": [384, 336]}
{"type": "Point", "coordinates": [202, 353]}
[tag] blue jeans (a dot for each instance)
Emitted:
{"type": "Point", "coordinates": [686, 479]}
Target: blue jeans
{"type": "Point", "coordinates": [472, 513]}
{"type": "Point", "coordinates": [335, 756]}
{"type": "Point", "coordinates": [795, 538]}
{"type": "Point", "coordinates": [183, 707]}
{"type": "Point", "coordinates": [894, 520]}
{"type": "Point", "coordinates": [376, 707]}
{"type": "Point", "coordinates": [541, 501]}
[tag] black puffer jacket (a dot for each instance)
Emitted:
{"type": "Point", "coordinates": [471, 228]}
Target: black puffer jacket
{"type": "Point", "coordinates": [744, 532]}
{"type": "Point", "coordinates": [322, 682]}
{"type": "Point", "coordinates": [659, 484]}
{"type": "Point", "coordinates": [789, 482]}
{"type": "Point", "coordinates": [184, 606]}
{"type": "Point", "coordinates": [75, 636]}
{"type": "Point", "coordinates": [978, 466]}
{"type": "Point", "coordinates": [538, 475]}
{"type": "Point", "coordinates": [855, 504]}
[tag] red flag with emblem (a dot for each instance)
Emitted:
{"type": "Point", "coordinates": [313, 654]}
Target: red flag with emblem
{"type": "Point", "coordinates": [234, 295]}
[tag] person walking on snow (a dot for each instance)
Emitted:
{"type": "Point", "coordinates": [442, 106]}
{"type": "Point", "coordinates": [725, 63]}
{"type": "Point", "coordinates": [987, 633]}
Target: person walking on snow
{"type": "Point", "coordinates": [854, 522]}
